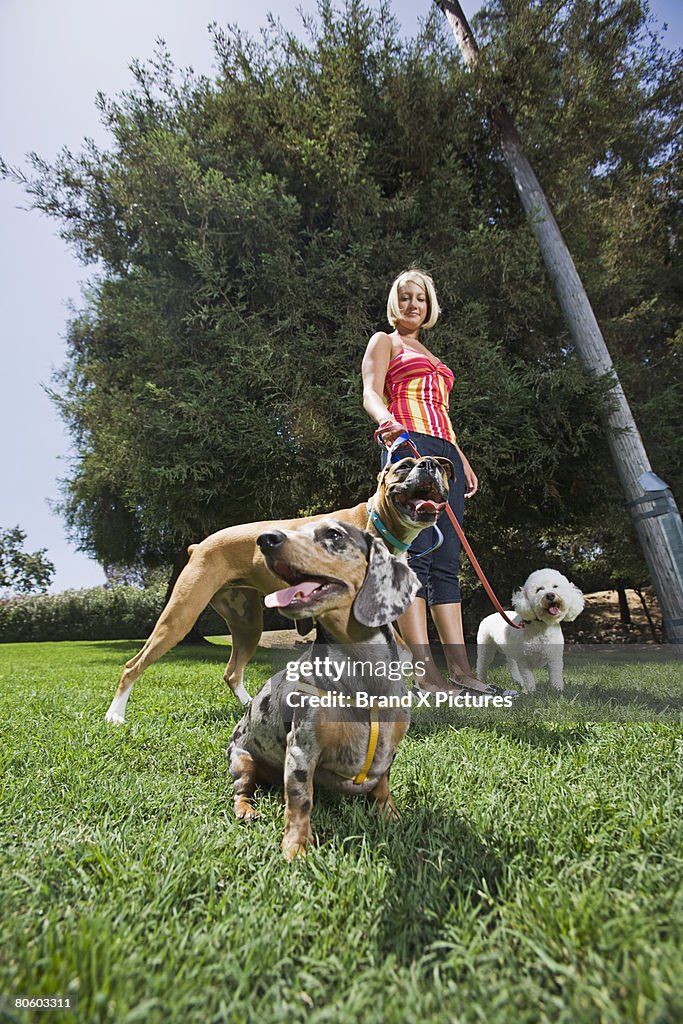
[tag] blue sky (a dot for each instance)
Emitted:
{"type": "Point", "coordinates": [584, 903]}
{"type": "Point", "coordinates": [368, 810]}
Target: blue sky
{"type": "Point", "coordinates": [54, 58]}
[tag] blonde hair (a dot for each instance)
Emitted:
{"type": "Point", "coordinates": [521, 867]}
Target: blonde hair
{"type": "Point", "coordinates": [423, 281]}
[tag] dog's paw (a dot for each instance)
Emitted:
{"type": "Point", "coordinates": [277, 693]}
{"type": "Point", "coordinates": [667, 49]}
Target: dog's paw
{"type": "Point", "coordinates": [114, 717]}
{"type": "Point", "coordinates": [242, 694]}
{"type": "Point", "coordinates": [245, 811]}
{"type": "Point", "coordinates": [296, 843]}
{"type": "Point", "coordinates": [388, 811]}
{"type": "Point", "coordinates": [292, 850]}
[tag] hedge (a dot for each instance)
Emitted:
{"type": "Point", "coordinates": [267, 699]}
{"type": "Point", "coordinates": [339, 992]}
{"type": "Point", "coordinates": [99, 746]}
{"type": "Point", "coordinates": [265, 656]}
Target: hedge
{"type": "Point", "coordinates": [117, 613]}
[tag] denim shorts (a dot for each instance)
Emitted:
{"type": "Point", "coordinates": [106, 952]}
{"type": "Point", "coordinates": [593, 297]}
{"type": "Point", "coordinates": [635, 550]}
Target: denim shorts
{"type": "Point", "coordinates": [438, 571]}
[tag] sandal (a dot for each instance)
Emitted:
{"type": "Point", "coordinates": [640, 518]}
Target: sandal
{"type": "Point", "coordinates": [419, 692]}
{"type": "Point", "coordinates": [481, 689]}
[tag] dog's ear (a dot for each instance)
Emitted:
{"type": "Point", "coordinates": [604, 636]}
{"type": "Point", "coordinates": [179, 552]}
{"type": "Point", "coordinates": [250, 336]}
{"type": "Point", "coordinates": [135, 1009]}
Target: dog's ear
{"type": "Point", "coordinates": [389, 587]}
{"type": "Point", "coordinates": [447, 465]}
{"type": "Point", "coordinates": [522, 605]}
{"type": "Point", "coordinates": [575, 605]}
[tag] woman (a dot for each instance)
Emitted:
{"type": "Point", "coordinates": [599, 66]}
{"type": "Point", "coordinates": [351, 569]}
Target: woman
{"type": "Point", "coordinates": [405, 387]}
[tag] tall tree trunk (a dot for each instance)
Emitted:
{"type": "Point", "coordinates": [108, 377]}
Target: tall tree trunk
{"type": "Point", "coordinates": [659, 529]}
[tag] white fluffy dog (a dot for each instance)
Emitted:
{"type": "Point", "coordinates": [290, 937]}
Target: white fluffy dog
{"type": "Point", "coordinates": [546, 599]}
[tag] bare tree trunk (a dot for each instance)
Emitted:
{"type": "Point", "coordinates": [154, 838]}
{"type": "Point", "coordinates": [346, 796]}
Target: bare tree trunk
{"type": "Point", "coordinates": [659, 530]}
{"type": "Point", "coordinates": [624, 610]}
{"type": "Point", "coordinates": [653, 628]}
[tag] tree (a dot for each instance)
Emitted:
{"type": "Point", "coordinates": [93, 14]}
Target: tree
{"type": "Point", "coordinates": [617, 214]}
{"type": "Point", "coordinates": [20, 571]}
{"type": "Point", "coordinates": [246, 231]}
{"type": "Point", "coordinates": [628, 452]}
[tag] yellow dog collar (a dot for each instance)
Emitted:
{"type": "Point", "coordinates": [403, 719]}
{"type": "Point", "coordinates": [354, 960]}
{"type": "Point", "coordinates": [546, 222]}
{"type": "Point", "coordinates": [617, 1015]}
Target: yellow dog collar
{"type": "Point", "coordinates": [374, 733]}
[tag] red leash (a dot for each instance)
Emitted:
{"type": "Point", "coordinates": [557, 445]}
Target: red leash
{"type": "Point", "coordinates": [466, 545]}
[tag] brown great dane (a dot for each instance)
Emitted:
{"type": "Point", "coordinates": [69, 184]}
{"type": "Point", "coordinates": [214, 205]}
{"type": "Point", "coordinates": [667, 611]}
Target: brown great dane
{"type": "Point", "coordinates": [228, 571]}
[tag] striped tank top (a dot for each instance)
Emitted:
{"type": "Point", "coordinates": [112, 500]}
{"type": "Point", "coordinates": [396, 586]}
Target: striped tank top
{"type": "Point", "coordinates": [417, 392]}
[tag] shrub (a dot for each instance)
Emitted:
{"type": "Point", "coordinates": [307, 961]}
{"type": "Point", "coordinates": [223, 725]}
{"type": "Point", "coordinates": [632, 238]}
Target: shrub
{"type": "Point", "coordinates": [118, 613]}
{"type": "Point", "coordinates": [122, 613]}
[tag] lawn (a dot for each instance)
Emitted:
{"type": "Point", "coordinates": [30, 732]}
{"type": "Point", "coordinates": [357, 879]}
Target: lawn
{"type": "Point", "coordinates": [535, 874]}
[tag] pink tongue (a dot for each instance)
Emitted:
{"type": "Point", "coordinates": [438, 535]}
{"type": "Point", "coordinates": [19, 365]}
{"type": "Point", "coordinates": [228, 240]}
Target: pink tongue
{"type": "Point", "coordinates": [554, 610]}
{"type": "Point", "coordinates": [430, 506]}
{"type": "Point", "coordinates": [281, 598]}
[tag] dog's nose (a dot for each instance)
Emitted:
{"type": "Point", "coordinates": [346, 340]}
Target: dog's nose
{"type": "Point", "coordinates": [550, 597]}
{"type": "Point", "coordinates": [431, 466]}
{"type": "Point", "coordinates": [270, 540]}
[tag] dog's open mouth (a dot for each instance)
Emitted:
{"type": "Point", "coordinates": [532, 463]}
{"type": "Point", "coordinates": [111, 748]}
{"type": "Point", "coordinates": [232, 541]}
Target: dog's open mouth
{"type": "Point", "coordinates": [553, 609]}
{"type": "Point", "coordinates": [422, 508]}
{"type": "Point", "coordinates": [303, 592]}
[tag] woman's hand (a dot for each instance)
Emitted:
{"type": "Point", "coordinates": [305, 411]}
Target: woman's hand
{"type": "Point", "coordinates": [389, 429]}
{"type": "Point", "coordinates": [471, 478]}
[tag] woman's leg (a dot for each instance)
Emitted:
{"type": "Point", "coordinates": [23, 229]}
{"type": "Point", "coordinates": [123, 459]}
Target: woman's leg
{"type": "Point", "coordinates": [413, 627]}
{"type": "Point", "coordinates": [448, 621]}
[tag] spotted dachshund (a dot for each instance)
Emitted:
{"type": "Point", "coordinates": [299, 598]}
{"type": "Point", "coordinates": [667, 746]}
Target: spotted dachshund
{"type": "Point", "coordinates": [288, 734]}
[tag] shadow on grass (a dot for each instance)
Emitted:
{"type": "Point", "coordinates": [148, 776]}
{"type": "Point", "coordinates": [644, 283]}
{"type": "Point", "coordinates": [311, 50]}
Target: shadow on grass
{"type": "Point", "coordinates": [621, 697]}
{"type": "Point", "coordinates": [439, 869]}
{"type": "Point", "coordinates": [230, 714]}
{"type": "Point", "coordinates": [182, 652]}
{"type": "Point", "coordinates": [534, 733]}
{"type": "Point", "coordinates": [538, 736]}
{"type": "Point", "coordinates": [541, 714]}
{"type": "Point", "coordinates": [434, 868]}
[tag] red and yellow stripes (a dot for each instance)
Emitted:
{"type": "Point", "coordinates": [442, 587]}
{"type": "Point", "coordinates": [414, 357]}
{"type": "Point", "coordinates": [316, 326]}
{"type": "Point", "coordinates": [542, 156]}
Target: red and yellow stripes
{"type": "Point", "coordinates": [417, 393]}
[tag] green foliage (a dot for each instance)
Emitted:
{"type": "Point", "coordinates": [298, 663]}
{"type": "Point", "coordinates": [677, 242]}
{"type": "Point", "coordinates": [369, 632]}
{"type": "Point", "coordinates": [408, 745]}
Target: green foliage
{"type": "Point", "coordinates": [117, 612]}
{"type": "Point", "coordinates": [248, 226]}
{"type": "Point", "coordinates": [19, 570]}
{"type": "Point", "coordinates": [95, 614]}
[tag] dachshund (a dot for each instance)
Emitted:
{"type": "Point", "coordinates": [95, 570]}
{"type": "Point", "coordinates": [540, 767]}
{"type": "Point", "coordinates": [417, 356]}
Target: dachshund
{"type": "Point", "coordinates": [319, 718]}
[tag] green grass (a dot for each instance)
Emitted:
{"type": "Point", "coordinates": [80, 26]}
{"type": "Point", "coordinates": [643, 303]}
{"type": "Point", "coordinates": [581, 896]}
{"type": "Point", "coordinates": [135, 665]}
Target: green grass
{"type": "Point", "coordinates": [535, 874]}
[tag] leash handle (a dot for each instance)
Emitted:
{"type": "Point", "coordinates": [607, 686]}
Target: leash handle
{"type": "Point", "coordinates": [405, 438]}
{"type": "Point", "coordinates": [402, 439]}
